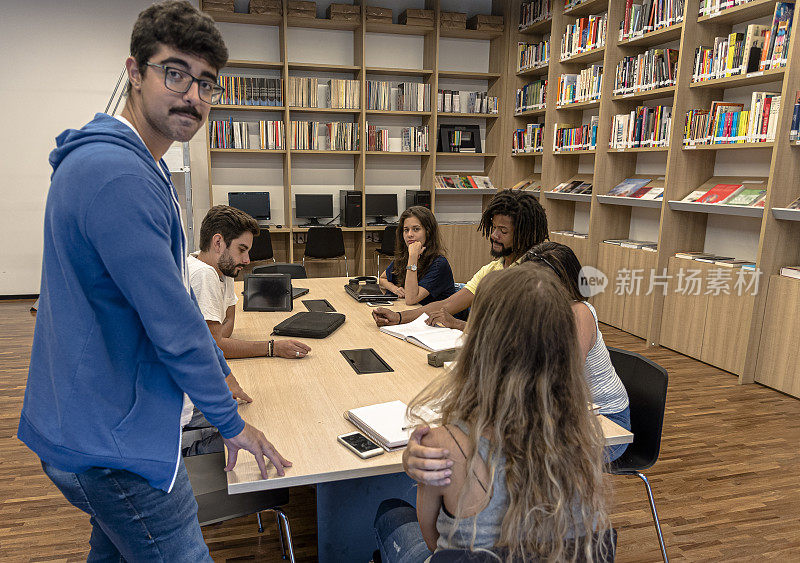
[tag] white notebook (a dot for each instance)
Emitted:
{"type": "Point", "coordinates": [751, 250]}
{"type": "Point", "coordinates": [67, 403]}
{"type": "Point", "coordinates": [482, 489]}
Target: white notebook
{"type": "Point", "coordinates": [432, 338]}
{"type": "Point", "coordinates": [383, 423]}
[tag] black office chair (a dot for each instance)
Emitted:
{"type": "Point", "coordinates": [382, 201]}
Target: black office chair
{"type": "Point", "coordinates": [325, 243]}
{"type": "Point", "coordinates": [296, 271]}
{"type": "Point", "coordinates": [214, 504]}
{"type": "Point", "coordinates": [262, 247]}
{"type": "Point", "coordinates": [646, 384]}
{"type": "Point", "coordinates": [387, 246]}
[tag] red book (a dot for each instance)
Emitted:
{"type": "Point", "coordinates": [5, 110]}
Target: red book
{"type": "Point", "coordinates": [719, 193]}
{"type": "Point", "coordinates": [765, 117]}
{"type": "Point", "coordinates": [627, 25]}
{"type": "Point", "coordinates": [641, 191]}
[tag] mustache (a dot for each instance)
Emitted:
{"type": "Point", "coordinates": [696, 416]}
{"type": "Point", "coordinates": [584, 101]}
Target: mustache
{"type": "Point", "coordinates": [188, 110]}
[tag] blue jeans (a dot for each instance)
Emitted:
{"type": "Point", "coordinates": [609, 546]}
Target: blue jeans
{"type": "Point", "coordinates": [623, 418]}
{"type": "Point", "coordinates": [399, 535]}
{"type": "Point", "coordinates": [132, 521]}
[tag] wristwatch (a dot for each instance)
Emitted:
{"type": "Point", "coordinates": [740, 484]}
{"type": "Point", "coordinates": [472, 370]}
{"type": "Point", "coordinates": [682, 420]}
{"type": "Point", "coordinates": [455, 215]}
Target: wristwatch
{"type": "Point", "coordinates": [413, 267]}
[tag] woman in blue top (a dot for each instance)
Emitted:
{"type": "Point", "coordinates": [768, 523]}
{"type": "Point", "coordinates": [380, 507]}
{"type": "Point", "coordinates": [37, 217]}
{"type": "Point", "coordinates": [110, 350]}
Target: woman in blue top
{"type": "Point", "coordinates": [419, 272]}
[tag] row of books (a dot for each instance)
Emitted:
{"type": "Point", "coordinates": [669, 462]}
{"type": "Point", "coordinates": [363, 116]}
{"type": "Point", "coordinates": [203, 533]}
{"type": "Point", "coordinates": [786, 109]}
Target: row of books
{"type": "Point", "coordinates": [717, 259]}
{"type": "Point", "coordinates": [455, 181]}
{"type": "Point", "coordinates": [465, 101]}
{"type": "Point", "coordinates": [582, 87]}
{"type": "Point", "coordinates": [574, 234]}
{"type": "Point", "coordinates": [646, 245]}
{"type": "Point", "coordinates": [794, 131]}
{"type": "Point", "coordinates": [729, 194]}
{"type": "Point", "coordinates": [229, 134]}
{"type": "Point", "coordinates": [251, 91]}
{"type": "Point", "coordinates": [710, 7]}
{"type": "Point", "coordinates": [529, 139]}
{"type": "Point", "coordinates": [338, 93]}
{"type": "Point", "coordinates": [734, 54]}
{"type": "Point", "coordinates": [573, 187]}
{"type": "Point", "coordinates": [642, 127]}
{"type": "Point", "coordinates": [649, 16]}
{"type": "Point", "coordinates": [412, 139]}
{"type": "Point", "coordinates": [531, 96]}
{"type": "Point", "coordinates": [530, 183]}
{"type": "Point", "coordinates": [533, 12]}
{"type": "Point", "coordinates": [403, 96]}
{"type": "Point", "coordinates": [655, 68]}
{"type": "Point", "coordinates": [637, 188]}
{"type": "Point", "coordinates": [728, 122]}
{"type": "Point", "coordinates": [584, 35]}
{"type": "Point", "coordinates": [314, 135]}
{"type": "Point", "coordinates": [532, 55]}
{"type": "Point", "coordinates": [576, 138]}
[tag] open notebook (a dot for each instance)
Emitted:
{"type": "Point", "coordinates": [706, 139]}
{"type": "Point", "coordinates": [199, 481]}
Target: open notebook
{"type": "Point", "coordinates": [383, 423]}
{"type": "Point", "coordinates": [432, 338]}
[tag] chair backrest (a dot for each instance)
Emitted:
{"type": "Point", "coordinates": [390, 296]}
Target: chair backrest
{"type": "Point", "coordinates": [646, 384]}
{"type": "Point", "coordinates": [262, 246]}
{"type": "Point", "coordinates": [297, 271]}
{"type": "Point", "coordinates": [324, 242]}
{"type": "Point", "coordinates": [388, 240]}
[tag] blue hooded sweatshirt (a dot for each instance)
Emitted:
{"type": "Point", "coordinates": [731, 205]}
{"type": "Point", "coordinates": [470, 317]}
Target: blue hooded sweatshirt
{"type": "Point", "coordinates": [119, 336]}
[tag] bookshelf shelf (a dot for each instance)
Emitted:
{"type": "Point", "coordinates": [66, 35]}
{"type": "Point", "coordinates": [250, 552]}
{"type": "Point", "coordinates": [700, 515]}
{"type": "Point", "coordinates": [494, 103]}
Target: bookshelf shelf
{"type": "Point", "coordinates": [468, 154]}
{"type": "Point", "coordinates": [639, 149]}
{"type": "Point", "coordinates": [388, 71]}
{"type": "Point", "coordinates": [629, 201]}
{"type": "Point", "coordinates": [785, 214]}
{"type": "Point", "coordinates": [760, 77]}
{"type": "Point", "coordinates": [246, 108]}
{"type": "Point", "coordinates": [319, 23]}
{"type": "Point", "coordinates": [398, 29]}
{"type": "Point", "coordinates": [252, 19]}
{"type": "Point", "coordinates": [396, 112]}
{"type": "Point", "coordinates": [249, 151]}
{"type": "Point", "coordinates": [398, 153]}
{"type": "Point", "coordinates": [464, 191]}
{"type": "Point", "coordinates": [574, 153]}
{"type": "Point", "coordinates": [537, 28]}
{"type": "Point", "coordinates": [741, 13]}
{"type": "Point", "coordinates": [664, 92]}
{"type": "Point", "coordinates": [729, 146]}
{"type": "Point", "coordinates": [458, 74]}
{"type": "Point", "coordinates": [568, 197]}
{"type": "Point", "coordinates": [716, 209]}
{"type": "Point", "coordinates": [587, 8]}
{"type": "Point", "coordinates": [527, 154]}
{"type": "Point", "coordinates": [254, 64]}
{"type": "Point", "coordinates": [316, 67]}
{"type": "Point", "coordinates": [589, 104]}
{"type": "Point", "coordinates": [657, 37]}
{"type": "Point", "coordinates": [326, 152]}
{"type": "Point", "coordinates": [534, 71]}
{"type": "Point", "coordinates": [590, 56]}
{"type": "Point", "coordinates": [531, 112]}
{"type": "Point", "coordinates": [470, 115]}
{"type": "Point", "coordinates": [468, 33]}
{"type": "Point", "coordinates": [299, 109]}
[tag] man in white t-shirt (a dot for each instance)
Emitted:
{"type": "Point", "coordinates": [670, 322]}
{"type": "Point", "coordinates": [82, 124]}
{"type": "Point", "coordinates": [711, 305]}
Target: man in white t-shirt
{"type": "Point", "coordinates": [226, 236]}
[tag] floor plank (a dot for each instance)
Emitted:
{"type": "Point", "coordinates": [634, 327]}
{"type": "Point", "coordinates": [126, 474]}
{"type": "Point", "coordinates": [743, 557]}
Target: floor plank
{"type": "Point", "coordinates": [726, 485]}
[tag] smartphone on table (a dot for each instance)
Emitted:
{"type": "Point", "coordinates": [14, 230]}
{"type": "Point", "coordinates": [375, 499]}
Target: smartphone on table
{"type": "Point", "coordinates": [359, 444]}
{"type": "Point", "coordinates": [380, 303]}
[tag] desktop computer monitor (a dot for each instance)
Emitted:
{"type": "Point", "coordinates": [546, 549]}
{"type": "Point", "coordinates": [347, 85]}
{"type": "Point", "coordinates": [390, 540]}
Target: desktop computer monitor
{"type": "Point", "coordinates": [255, 204]}
{"type": "Point", "coordinates": [313, 207]}
{"type": "Point", "coordinates": [381, 206]}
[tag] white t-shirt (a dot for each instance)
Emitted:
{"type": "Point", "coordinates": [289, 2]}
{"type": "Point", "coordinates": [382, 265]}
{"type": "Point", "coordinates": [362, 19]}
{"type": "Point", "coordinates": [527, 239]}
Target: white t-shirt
{"type": "Point", "coordinates": [214, 295]}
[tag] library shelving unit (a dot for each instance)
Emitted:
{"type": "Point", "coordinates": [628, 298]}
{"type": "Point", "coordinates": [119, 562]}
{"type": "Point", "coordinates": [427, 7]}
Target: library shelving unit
{"type": "Point", "coordinates": [752, 336]}
{"type": "Point", "coordinates": [460, 237]}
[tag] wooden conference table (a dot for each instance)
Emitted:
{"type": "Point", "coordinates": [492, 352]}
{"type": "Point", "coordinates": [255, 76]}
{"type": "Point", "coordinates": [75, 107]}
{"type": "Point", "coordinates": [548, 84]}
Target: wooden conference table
{"type": "Point", "coordinates": [299, 405]}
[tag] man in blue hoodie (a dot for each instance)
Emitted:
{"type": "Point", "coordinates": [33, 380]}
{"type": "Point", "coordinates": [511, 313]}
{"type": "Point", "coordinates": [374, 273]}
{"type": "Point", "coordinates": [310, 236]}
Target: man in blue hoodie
{"type": "Point", "coordinates": [120, 343]}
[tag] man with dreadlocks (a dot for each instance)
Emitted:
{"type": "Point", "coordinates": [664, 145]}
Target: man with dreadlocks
{"type": "Point", "coordinates": [514, 222]}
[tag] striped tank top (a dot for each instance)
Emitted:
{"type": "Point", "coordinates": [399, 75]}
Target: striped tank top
{"type": "Point", "coordinates": [605, 386]}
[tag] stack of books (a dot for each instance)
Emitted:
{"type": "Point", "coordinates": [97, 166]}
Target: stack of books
{"type": "Point", "coordinates": [642, 127]}
{"type": "Point", "coordinates": [455, 181]}
{"type": "Point", "coordinates": [584, 35]}
{"type": "Point", "coordinates": [528, 140]}
{"type": "Point", "coordinates": [645, 245]}
{"type": "Point", "coordinates": [576, 137]}
{"type": "Point", "coordinates": [649, 16]}
{"type": "Point", "coordinates": [791, 272]}
{"type": "Point", "coordinates": [528, 184]}
{"type": "Point", "coordinates": [532, 55]}
{"type": "Point", "coordinates": [251, 91]}
{"type": "Point", "coordinates": [637, 188]}
{"type": "Point", "coordinates": [710, 258]}
{"type": "Point", "coordinates": [229, 134]}
{"type": "Point", "coordinates": [583, 87]}
{"type": "Point", "coordinates": [729, 194]}
{"type": "Point", "coordinates": [655, 68]}
{"type": "Point", "coordinates": [573, 187]}
{"type": "Point", "coordinates": [534, 11]}
{"type": "Point", "coordinates": [574, 234]}
{"type": "Point", "coordinates": [531, 96]}
{"type": "Point", "coordinates": [728, 122]}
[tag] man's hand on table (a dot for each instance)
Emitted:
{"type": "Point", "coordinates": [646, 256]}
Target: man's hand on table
{"type": "Point", "coordinates": [385, 317]}
{"type": "Point", "coordinates": [236, 390]}
{"type": "Point", "coordinates": [293, 349]}
{"type": "Point", "coordinates": [254, 441]}
{"type": "Point", "coordinates": [428, 466]}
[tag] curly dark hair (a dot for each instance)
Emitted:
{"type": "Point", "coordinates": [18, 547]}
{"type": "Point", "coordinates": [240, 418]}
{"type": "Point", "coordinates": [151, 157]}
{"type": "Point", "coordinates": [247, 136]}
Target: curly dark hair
{"type": "Point", "coordinates": [228, 221]}
{"type": "Point", "coordinates": [180, 25]}
{"type": "Point", "coordinates": [530, 219]}
{"type": "Point", "coordinates": [433, 243]}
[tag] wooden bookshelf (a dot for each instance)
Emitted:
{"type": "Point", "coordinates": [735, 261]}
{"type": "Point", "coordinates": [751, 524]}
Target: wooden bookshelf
{"type": "Point", "coordinates": [760, 77]}
{"type": "Point", "coordinates": [657, 37]}
{"type": "Point", "coordinates": [741, 13]}
{"type": "Point", "coordinates": [653, 94]}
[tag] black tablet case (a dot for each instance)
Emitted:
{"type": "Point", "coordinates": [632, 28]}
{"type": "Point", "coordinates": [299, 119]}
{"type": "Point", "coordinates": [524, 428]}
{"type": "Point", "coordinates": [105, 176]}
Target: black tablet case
{"type": "Point", "coordinates": [310, 325]}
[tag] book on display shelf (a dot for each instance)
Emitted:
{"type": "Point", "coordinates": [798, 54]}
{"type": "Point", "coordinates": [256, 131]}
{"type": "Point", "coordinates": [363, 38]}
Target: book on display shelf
{"type": "Point", "coordinates": [628, 187]}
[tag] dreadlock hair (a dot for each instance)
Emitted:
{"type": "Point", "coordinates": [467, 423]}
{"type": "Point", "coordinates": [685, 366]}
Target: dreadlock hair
{"type": "Point", "coordinates": [530, 219]}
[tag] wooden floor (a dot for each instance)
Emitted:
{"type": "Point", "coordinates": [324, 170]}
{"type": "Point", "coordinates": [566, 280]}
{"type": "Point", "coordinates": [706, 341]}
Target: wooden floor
{"type": "Point", "coordinates": [727, 485]}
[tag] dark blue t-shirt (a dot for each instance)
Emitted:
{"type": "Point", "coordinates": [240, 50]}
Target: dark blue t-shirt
{"type": "Point", "coordinates": [437, 280]}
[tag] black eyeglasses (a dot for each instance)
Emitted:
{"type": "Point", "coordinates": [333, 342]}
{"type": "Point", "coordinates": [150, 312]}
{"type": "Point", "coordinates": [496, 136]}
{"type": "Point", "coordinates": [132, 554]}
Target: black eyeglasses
{"type": "Point", "coordinates": [180, 81]}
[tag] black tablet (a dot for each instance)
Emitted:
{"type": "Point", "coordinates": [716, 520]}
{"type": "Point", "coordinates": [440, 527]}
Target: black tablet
{"type": "Point", "coordinates": [318, 306]}
{"type": "Point", "coordinates": [365, 360]}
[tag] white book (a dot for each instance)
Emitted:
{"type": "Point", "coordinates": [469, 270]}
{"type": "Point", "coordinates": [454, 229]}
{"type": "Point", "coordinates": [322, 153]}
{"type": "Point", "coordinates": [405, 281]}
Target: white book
{"type": "Point", "coordinates": [383, 423]}
{"type": "Point", "coordinates": [432, 338]}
